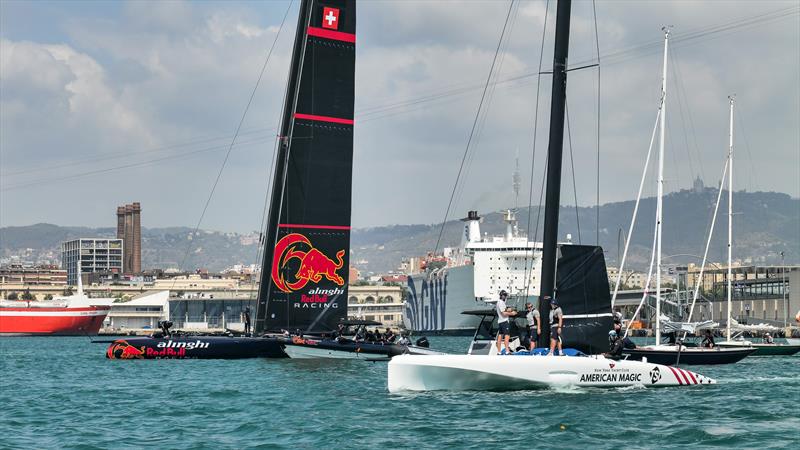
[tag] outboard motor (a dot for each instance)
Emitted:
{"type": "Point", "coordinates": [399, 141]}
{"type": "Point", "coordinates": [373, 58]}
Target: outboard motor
{"type": "Point", "coordinates": [423, 342]}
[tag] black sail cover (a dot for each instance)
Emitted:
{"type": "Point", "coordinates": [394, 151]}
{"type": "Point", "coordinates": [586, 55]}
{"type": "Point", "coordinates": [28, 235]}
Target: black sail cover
{"type": "Point", "coordinates": [305, 273]}
{"type": "Point", "coordinates": [583, 294]}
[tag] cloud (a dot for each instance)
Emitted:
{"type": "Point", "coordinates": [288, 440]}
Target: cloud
{"type": "Point", "coordinates": [169, 79]}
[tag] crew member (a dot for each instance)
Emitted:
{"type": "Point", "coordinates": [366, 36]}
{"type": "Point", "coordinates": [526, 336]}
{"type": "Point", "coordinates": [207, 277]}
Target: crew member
{"type": "Point", "coordinates": [404, 340]}
{"type": "Point", "coordinates": [768, 339]}
{"type": "Point", "coordinates": [556, 322]}
{"type": "Point", "coordinates": [615, 345]}
{"type": "Point", "coordinates": [708, 340]}
{"type": "Point", "coordinates": [503, 313]}
{"type": "Point", "coordinates": [247, 321]}
{"type": "Point", "coordinates": [534, 324]}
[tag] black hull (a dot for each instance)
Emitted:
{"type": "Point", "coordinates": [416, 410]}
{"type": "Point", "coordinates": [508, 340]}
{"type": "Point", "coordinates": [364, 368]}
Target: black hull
{"type": "Point", "coordinates": [195, 347]}
{"type": "Point", "coordinates": [689, 357]}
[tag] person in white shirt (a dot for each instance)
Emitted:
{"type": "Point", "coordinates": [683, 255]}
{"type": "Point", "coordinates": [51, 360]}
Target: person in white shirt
{"type": "Point", "coordinates": [503, 313]}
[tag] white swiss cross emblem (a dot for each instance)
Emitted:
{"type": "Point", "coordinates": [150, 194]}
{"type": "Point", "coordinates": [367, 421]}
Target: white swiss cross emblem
{"type": "Point", "coordinates": [330, 18]}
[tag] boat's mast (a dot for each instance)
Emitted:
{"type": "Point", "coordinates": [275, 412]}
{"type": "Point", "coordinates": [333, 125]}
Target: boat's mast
{"type": "Point", "coordinates": [279, 177]}
{"type": "Point", "coordinates": [554, 151]}
{"type": "Point", "coordinates": [730, 216]}
{"type": "Point", "coordinates": [659, 206]}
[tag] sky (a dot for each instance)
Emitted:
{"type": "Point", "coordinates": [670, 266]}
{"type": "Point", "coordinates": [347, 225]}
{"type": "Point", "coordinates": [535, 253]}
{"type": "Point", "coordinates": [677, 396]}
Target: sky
{"type": "Point", "coordinates": [107, 103]}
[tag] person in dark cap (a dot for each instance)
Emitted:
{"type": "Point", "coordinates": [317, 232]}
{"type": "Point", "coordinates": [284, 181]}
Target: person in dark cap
{"type": "Point", "coordinates": [556, 322]}
{"type": "Point", "coordinates": [504, 331]}
{"type": "Point", "coordinates": [615, 345]}
{"type": "Point", "coordinates": [534, 324]}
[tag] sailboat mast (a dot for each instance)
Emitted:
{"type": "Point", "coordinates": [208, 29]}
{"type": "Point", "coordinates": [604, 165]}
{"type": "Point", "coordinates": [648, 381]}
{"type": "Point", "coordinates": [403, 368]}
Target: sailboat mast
{"type": "Point", "coordinates": [659, 206]}
{"type": "Point", "coordinates": [554, 153]}
{"type": "Point", "coordinates": [730, 216]}
{"type": "Point", "coordinates": [279, 176]}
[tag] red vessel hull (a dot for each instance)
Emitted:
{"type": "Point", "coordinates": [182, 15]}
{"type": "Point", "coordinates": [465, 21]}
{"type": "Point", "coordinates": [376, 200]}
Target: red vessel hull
{"type": "Point", "coordinates": [52, 321]}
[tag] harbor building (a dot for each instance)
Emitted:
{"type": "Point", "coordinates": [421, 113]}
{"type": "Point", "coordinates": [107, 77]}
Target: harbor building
{"type": "Point", "coordinates": [91, 255]}
{"type": "Point", "coordinates": [760, 294]}
{"type": "Point", "coordinates": [381, 303]}
{"type": "Point", "coordinates": [129, 230]}
{"type": "Point", "coordinates": [47, 275]}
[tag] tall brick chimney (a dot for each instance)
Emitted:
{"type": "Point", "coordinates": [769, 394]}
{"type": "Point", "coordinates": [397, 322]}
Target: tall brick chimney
{"type": "Point", "coordinates": [136, 238]}
{"type": "Point", "coordinates": [129, 229]}
{"type": "Point", "coordinates": [128, 244]}
{"type": "Point", "coordinates": [120, 222]}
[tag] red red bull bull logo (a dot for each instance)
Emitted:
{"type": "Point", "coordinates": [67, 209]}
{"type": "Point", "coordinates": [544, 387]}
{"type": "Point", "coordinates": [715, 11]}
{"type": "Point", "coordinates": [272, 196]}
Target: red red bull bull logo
{"type": "Point", "coordinates": [121, 349]}
{"type": "Point", "coordinates": [314, 265]}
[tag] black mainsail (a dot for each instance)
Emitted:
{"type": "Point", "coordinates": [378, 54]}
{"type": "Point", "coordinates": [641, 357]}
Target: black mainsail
{"type": "Point", "coordinates": [583, 294]}
{"type": "Point", "coordinates": [305, 268]}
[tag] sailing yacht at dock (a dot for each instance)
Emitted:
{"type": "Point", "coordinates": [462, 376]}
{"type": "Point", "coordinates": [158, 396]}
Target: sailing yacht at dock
{"type": "Point", "coordinates": [677, 353]}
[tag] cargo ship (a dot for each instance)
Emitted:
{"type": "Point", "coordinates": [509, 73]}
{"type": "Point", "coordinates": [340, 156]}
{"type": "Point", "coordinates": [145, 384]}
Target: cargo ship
{"type": "Point", "coordinates": [468, 276]}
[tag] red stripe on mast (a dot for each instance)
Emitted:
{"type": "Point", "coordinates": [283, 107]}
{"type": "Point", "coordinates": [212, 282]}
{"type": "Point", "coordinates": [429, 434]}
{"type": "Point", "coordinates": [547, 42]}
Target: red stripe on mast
{"type": "Point", "coordinates": [330, 34]}
{"type": "Point", "coordinates": [324, 118]}
{"type": "Point", "coordinates": [314, 227]}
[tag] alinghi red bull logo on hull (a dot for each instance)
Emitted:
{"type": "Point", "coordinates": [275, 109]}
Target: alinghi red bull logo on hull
{"type": "Point", "coordinates": [314, 265]}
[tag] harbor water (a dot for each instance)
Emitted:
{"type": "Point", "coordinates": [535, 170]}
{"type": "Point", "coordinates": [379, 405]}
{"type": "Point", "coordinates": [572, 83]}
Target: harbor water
{"type": "Point", "coordinates": [64, 393]}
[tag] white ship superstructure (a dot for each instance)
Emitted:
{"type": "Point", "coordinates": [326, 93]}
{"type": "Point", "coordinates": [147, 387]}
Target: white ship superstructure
{"type": "Point", "coordinates": [473, 274]}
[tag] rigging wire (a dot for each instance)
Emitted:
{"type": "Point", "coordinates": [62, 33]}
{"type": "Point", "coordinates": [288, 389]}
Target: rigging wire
{"type": "Point", "coordinates": [235, 135]}
{"type": "Point", "coordinates": [752, 173]}
{"type": "Point", "coordinates": [260, 249]}
{"type": "Point", "coordinates": [678, 76]}
{"type": "Point", "coordinates": [127, 166]}
{"type": "Point", "coordinates": [474, 124]}
{"type": "Point", "coordinates": [533, 160]}
{"type": "Point", "coordinates": [126, 153]}
{"type": "Point", "coordinates": [488, 104]}
{"type": "Point", "coordinates": [572, 163]}
{"type": "Point", "coordinates": [597, 54]}
{"type": "Point", "coordinates": [683, 126]}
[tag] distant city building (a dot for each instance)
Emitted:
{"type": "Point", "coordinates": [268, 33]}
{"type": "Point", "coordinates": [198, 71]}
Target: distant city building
{"type": "Point", "coordinates": [382, 303]}
{"type": "Point", "coordinates": [91, 255]}
{"type": "Point", "coordinates": [354, 274]}
{"type": "Point", "coordinates": [400, 279]}
{"type": "Point", "coordinates": [129, 229]}
{"type": "Point", "coordinates": [47, 275]}
{"type": "Point", "coordinates": [698, 186]}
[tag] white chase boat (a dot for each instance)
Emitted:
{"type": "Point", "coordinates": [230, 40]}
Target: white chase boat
{"type": "Point", "coordinates": [515, 372]}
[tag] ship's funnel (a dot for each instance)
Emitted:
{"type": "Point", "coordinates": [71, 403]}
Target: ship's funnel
{"type": "Point", "coordinates": [472, 228]}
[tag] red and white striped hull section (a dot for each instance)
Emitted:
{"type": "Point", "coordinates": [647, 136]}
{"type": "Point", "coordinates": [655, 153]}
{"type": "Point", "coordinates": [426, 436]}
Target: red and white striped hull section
{"type": "Point", "coordinates": [56, 321]}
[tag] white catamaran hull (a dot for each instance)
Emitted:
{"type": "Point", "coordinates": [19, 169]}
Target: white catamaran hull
{"type": "Point", "coordinates": [485, 372]}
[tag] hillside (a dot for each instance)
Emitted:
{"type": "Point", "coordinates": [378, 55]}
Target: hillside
{"type": "Point", "coordinates": [765, 224]}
